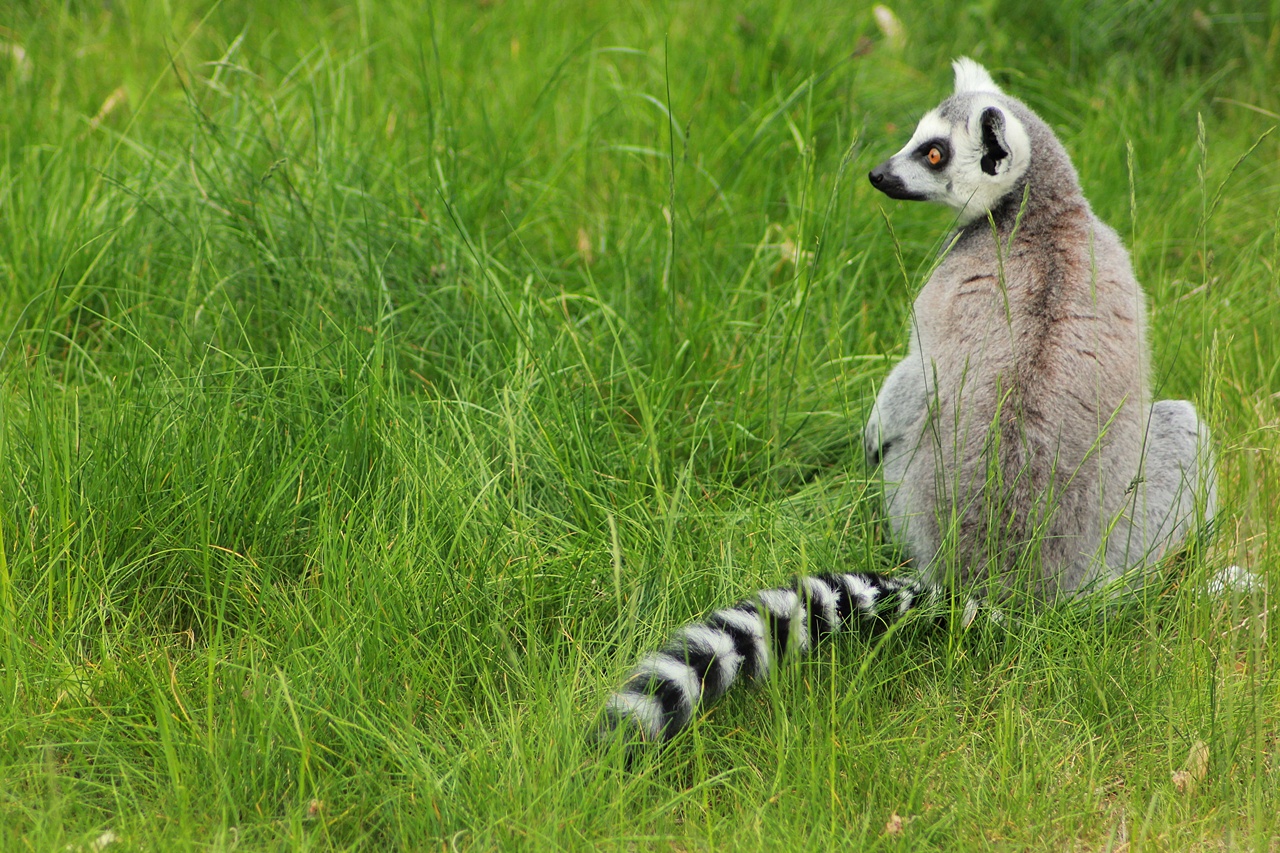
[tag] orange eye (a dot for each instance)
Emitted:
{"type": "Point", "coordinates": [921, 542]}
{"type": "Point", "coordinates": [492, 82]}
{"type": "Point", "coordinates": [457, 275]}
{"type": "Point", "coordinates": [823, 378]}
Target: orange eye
{"type": "Point", "coordinates": [934, 156]}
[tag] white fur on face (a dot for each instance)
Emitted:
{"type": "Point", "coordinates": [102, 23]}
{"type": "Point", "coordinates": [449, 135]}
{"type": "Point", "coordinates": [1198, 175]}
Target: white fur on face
{"type": "Point", "coordinates": [962, 184]}
{"type": "Point", "coordinates": [932, 126]}
{"type": "Point", "coordinates": [906, 165]}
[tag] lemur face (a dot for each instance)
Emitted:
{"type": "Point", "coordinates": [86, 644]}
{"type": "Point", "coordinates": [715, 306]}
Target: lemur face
{"type": "Point", "coordinates": [968, 153]}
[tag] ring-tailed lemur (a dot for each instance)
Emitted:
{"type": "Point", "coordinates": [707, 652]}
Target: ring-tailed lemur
{"type": "Point", "coordinates": [1019, 450]}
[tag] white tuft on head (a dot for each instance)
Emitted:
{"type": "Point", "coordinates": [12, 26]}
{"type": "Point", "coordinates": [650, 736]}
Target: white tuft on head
{"type": "Point", "coordinates": [972, 77]}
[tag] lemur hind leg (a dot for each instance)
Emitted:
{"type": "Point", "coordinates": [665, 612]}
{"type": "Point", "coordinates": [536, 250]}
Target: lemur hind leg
{"type": "Point", "coordinates": [1174, 493]}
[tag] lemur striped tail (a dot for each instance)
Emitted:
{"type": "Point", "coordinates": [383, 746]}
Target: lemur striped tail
{"type": "Point", "coordinates": [703, 660]}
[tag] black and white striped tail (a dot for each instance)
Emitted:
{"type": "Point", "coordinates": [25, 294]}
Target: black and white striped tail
{"type": "Point", "coordinates": [705, 659]}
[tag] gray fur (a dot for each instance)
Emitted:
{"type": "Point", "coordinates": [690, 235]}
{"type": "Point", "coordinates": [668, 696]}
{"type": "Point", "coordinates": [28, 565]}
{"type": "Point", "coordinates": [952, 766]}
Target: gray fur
{"type": "Point", "coordinates": [1018, 431]}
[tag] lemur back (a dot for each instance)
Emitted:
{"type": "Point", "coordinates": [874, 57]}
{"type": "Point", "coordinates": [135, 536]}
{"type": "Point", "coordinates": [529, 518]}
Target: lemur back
{"type": "Point", "coordinates": [1013, 431]}
{"type": "Point", "coordinates": [1019, 451]}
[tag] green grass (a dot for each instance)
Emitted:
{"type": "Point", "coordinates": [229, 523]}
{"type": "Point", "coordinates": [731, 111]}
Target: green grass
{"type": "Point", "coordinates": [379, 379]}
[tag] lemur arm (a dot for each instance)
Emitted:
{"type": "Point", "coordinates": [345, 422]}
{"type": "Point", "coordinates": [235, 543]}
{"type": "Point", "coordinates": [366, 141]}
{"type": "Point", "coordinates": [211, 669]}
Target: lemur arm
{"type": "Point", "coordinates": [901, 403]}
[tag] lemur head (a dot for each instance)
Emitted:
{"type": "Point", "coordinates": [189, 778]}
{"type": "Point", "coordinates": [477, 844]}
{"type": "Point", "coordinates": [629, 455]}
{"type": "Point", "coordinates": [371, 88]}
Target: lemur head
{"type": "Point", "coordinates": [968, 153]}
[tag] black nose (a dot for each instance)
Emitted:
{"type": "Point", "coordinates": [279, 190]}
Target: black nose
{"type": "Point", "coordinates": [883, 179]}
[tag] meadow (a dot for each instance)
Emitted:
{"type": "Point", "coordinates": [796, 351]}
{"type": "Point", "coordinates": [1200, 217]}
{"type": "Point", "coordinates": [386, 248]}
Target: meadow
{"type": "Point", "coordinates": [379, 379]}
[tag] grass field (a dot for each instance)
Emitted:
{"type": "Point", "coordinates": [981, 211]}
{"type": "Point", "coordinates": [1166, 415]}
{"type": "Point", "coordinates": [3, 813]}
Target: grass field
{"type": "Point", "coordinates": [379, 379]}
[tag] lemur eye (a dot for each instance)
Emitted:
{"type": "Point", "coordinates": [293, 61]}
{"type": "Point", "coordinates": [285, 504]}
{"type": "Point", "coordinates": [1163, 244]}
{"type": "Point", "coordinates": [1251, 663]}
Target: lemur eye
{"type": "Point", "coordinates": [933, 153]}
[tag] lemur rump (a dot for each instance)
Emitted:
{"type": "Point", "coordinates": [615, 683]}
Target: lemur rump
{"type": "Point", "coordinates": [1020, 452]}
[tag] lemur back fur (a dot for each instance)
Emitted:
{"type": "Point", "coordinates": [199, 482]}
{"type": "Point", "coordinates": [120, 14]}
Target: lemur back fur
{"type": "Point", "coordinates": [1014, 430]}
{"type": "Point", "coordinates": [1020, 453]}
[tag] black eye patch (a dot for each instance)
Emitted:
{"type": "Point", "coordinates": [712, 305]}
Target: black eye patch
{"type": "Point", "coordinates": [934, 153]}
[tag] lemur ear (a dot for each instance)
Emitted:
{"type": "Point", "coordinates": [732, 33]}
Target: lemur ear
{"type": "Point", "coordinates": [994, 147]}
{"type": "Point", "coordinates": [972, 77]}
